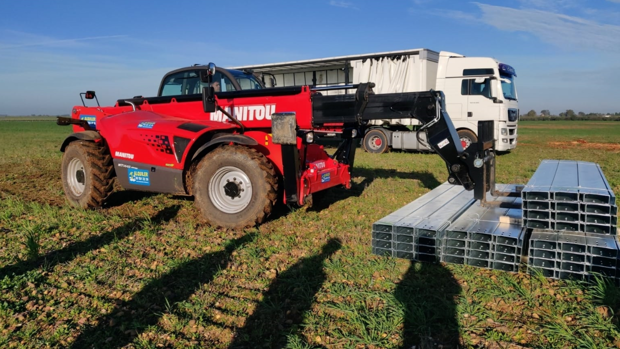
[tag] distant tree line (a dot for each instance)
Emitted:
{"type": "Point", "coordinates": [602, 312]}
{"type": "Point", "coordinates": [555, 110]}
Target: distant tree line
{"type": "Point", "coordinates": [569, 114]}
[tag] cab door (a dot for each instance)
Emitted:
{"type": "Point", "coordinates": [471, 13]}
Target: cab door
{"type": "Point", "coordinates": [478, 97]}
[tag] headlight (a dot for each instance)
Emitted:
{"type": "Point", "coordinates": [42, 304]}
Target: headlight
{"type": "Point", "coordinates": [309, 137]}
{"type": "Point", "coordinates": [504, 140]}
{"type": "Point", "coordinates": [504, 132]}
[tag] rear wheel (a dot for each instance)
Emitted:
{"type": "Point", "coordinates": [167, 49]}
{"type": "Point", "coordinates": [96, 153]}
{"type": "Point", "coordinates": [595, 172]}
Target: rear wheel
{"type": "Point", "coordinates": [375, 141]}
{"type": "Point", "coordinates": [467, 138]}
{"type": "Point", "coordinates": [235, 187]}
{"type": "Point", "coordinates": [87, 174]}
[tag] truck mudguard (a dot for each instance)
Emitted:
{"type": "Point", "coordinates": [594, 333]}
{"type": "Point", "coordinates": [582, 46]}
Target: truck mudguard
{"type": "Point", "coordinates": [224, 138]}
{"type": "Point", "coordinates": [84, 136]}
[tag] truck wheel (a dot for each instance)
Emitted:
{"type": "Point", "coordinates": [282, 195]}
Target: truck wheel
{"type": "Point", "coordinates": [235, 187]}
{"type": "Point", "coordinates": [87, 174]}
{"type": "Point", "coordinates": [375, 141]}
{"type": "Point", "coordinates": [467, 138]}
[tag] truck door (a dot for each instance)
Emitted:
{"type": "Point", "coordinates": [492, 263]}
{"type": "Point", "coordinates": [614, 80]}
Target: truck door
{"type": "Point", "coordinates": [478, 97]}
{"type": "Point", "coordinates": [480, 104]}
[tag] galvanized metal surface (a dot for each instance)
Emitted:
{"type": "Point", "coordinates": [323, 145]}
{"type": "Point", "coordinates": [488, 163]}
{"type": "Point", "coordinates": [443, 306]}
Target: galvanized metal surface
{"type": "Point", "coordinates": [478, 238]}
{"type": "Point", "coordinates": [573, 255]}
{"type": "Point", "coordinates": [415, 231]}
{"type": "Point", "coordinates": [571, 196]}
{"type": "Point", "coordinates": [569, 226]}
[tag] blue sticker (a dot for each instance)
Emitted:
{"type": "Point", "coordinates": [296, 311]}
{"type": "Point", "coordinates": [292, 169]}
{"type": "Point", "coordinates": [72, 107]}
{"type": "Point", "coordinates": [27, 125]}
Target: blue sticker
{"type": "Point", "coordinates": [325, 177]}
{"type": "Point", "coordinates": [146, 124]}
{"type": "Point", "coordinates": [92, 120]}
{"type": "Point", "coordinates": [139, 177]}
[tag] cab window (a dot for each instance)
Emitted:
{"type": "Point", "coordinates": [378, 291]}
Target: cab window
{"type": "Point", "coordinates": [182, 83]}
{"type": "Point", "coordinates": [188, 83]}
{"type": "Point", "coordinates": [221, 83]}
{"type": "Point", "coordinates": [246, 81]}
{"type": "Point", "coordinates": [471, 87]}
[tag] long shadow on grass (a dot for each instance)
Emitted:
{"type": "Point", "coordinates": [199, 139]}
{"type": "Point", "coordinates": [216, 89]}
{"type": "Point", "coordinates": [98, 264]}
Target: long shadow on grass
{"type": "Point", "coordinates": [428, 293]}
{"type": "Point", "coordinates": [130, 318]}
{"type": "Point", "coordinates": [121, 197]}
{"type": "Point", "coordinates": [290, 295]}
{"type": "Point", "coordinates": [79, 248]}
{"type": "Point", "coordinates": [327, 197]}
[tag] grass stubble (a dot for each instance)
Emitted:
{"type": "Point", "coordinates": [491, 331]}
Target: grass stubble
{"type": "Point", "coordinates": [146, 272]}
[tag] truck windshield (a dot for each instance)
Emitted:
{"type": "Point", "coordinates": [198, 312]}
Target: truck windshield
{"type": "Point", "coordinates": [508, 87]}
{"type": "Point", "coordinates": [246, 81]}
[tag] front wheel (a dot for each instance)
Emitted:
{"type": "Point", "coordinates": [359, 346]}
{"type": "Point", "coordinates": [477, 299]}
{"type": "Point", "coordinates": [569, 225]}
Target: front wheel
{"type": "Point", "coordinates": [235, 187]}
{"type": "Point", "coordinates": [467, 138]}
{"type": "Point", "coordinates": [87, 174]}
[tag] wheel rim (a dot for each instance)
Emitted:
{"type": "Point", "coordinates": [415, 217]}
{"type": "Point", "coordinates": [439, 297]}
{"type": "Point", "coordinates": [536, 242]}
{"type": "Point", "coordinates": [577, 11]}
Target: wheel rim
{"type": "Point", "coordinates": [230, 190]}
{"type": "Point", "coordinates": [77, 177]}
{"type": "Point", "coordinates": [375, 142]}
{"type": "Point", "coordinates": [465, 142]}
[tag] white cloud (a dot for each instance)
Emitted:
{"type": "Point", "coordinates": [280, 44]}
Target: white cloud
{"type": "Point", "coordinates": [454, 14]}
{"type": "Point", "coordinates": [64, 42]}
{"type": "Point", "coordinates": [560, 30]}
{"type": "Point", "coordinates": [343, 4]}
{"type": "Point", "coordinates": [551, 5]}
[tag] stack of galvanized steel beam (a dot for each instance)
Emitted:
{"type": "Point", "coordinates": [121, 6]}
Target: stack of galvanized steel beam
{"type": "Point", "coordinates": [573, 213]}
{"type": "Point", "coordinates": [573, 255]}
{"type": "Point", "coordinates": [570, 196]}
{"type": "Point", "coordinates": [478, 238]}
{"type": "Point", "coordinates": [566, 226]}
{"type": "Point", "coordinates": [447, 224]}
{"type": "Point", "coordinates": [414, 231]}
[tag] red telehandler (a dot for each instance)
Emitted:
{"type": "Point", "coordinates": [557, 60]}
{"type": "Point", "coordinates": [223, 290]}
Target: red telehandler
{"type": "Point", "coordinates": [239, 151]}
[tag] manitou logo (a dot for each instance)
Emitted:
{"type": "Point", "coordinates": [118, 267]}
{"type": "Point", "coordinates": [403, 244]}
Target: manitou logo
{"type": "Point", "coordinates": [246, 113]}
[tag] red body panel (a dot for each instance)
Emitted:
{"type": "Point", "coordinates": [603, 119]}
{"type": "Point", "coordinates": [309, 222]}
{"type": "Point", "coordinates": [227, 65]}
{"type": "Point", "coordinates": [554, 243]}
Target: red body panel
{"type": "Point", "coordinates": [146, 134]}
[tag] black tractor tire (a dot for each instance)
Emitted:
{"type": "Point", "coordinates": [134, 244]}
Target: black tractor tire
{"type": "Point", "coordinates": [467, 138]}
{"type": "Point", "coordinates": [376, 142]}
{"type": "Point", "coordinates": [235, 187]}
{"type": "Point", "coordinates": [87, 174]}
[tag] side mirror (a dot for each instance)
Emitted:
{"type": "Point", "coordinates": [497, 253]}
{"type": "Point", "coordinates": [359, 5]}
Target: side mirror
{"type": "Point", "coordinates": [206, 76]}
{"type": "Point", "coordinates": [495, 92]}
{"type": "Point", "coordinates": [208, 99]}
{"type": "Point", "coordinates": [89, 95]}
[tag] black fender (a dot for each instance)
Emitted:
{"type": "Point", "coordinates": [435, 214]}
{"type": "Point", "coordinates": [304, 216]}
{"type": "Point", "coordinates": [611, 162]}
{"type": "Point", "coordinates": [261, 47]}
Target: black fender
{"type": "Point", "coordinates": [83, 136]}
{"type": "Point", "coordinates": [220, 138]}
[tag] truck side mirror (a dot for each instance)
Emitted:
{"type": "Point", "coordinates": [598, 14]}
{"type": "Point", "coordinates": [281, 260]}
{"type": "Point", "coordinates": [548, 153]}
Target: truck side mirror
{"type": "Point", "coordinates": [495, 92]}
{"type": "Point", "coordinates": [208, 99]}
{"type": "Point", "coordinates": [208, 94]}
{"type": "Point", "coordinates": [206, 76]}
{"type": "Point", "coordinates": [89, 95]}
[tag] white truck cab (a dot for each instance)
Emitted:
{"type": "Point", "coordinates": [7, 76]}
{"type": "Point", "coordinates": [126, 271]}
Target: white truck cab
{"type": "Point", "coordinates": [480, 88]}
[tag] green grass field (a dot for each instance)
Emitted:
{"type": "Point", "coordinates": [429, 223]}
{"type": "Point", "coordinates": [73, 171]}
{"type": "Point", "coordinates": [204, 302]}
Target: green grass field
{"type": "Point", "coordinates": [147, 272]}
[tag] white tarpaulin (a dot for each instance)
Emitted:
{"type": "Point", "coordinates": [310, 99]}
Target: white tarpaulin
{"type": "Point", "coordinates": [390, 75]}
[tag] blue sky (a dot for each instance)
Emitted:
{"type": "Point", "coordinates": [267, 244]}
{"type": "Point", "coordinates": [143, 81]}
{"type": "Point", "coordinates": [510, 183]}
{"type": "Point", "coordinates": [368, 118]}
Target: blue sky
{"type": "Point", "coordinates": [566, 52]}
